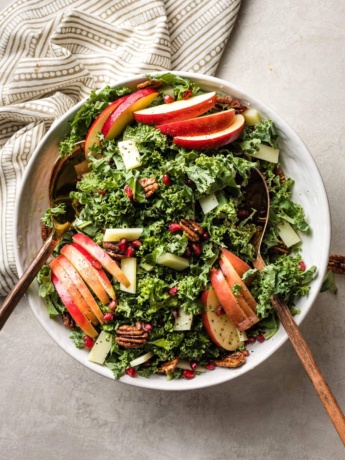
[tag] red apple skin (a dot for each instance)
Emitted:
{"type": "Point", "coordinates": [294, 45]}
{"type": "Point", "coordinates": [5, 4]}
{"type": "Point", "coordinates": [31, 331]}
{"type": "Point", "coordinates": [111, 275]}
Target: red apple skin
{"type": "Point", "coordinates": [86, 271]}
{"type": "Point", "coordinates": [97, 125]}
{"type": "Point", "coordinates": [100, 273]}
{"type": "Point", "coordinates": [206, 124]}
{"type": "Point", "coordinates": [239, 298]}
{"type": "Point", "coordinates": [81, 286]}
{"type": "Point", "coordinates": [177, 111]}
{"type": "Point", "coordinates": [210, 141]}
{"type": "Point", "coordinates": [228, 301]}
{"type": "Point", "coordinates": [73, 291]}
{"type": "Point", "coordinates": [237, 280]}
{"type": "Point", "coordinates": [239, 265]}
{"type": "Point", "coordinates": [73, 310]}
{"type": "Point", "coordinates": [103, 258]}
{"type": "Point", "coordinates": [123, 114]}
{"type": "Point", "coordinates": [220, 329]}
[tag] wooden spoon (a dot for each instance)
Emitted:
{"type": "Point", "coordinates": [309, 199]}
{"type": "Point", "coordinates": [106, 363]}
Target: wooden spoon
{"type": "Point", "coordinates": [283, 312]}
{"type": "Point", "coordinates": [61, 182]}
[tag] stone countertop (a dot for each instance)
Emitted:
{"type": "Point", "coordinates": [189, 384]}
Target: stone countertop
{"type": "Point", "coordinates": [290, 55]}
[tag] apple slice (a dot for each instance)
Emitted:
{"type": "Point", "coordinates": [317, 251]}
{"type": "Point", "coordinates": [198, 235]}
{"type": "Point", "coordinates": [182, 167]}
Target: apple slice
{"type": "Point", "coordinates": [99, 272]}
{"type": "Point", "coordinates": [72, 309]}
{"type": "Point", "coordinates": [97, 125]}
{"type": "Point", "coordinates": [220, 328]}
{"type": "Point", "coordinates": [228, 301]}
{"type": "Point", "coordinates": [237, 280]}
{"type": "Point", "coordinates": [239, 297]}
{"type": "Point", "coordinates": [209, 141]}
{"type": "Point", "coordinates": [81, 286]}
{"type": "Point", "coordinates": [73, 291]}
{"type": "Point", "coordinates": [103, 258]}
{"type": "Point", "coordinates": [202, 125]}
{"type": "Point", "coordinates": [239, 265]}
{"type": "Point", "coordinates": [86, 271]}
{"type": "Point", "coordinates": [177, 110]}
{"type": "Point", "coordinates": [123, 114]}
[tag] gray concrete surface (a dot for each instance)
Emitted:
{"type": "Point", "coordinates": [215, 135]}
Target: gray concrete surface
{"type": "Point", "coordinates": [291, 55]}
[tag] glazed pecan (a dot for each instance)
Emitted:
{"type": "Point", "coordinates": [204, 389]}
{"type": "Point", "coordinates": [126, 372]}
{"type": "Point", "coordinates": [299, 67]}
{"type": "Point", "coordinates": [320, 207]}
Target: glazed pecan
{"type": "Point", "coordinates": [168, 367]}
{"type": "Point", "coordinates": [281, 248]}
{"type": "Point", "coordinates": [234, 360]}
{"type": "Point", "coordinates": [45, 231]}
{"type": "Point", "coordinates": [281, 175]}
{"type": "Point", "coordinates": [150, 185]}
{"type": "Point", "coordinates": [229, 102]}
{"type": "Point", "coordinates": [150, 84]}
{"type": "Point", "coordinates": [67, 320]}
{"type": "Point", "coordinates": [113, 250]}
{"type": "Point", "coordinates": [192, 229]}
{"type": "Point", "coordinates": [336, 264]}
{"type": "Point", "coordinates": [131, 336]}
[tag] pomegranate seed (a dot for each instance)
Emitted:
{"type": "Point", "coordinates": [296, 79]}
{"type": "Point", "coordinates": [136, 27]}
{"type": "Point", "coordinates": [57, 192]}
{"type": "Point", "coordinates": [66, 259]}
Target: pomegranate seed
{"type": "Point", "coordinates": [242, 214]}
{"type": "Point", "coordinates": [210, 366]}
{"type": "Point", "coordinates": [197, 249]}
{"type": "Point", "coordinates": [206, 236]}
{"type": "Point", "coordinates": [302, 266]}
{"type": "Point", "coordinates": [245, 352]}
{"type": "Point", "coordinates": [188, 252]}
{"type": "Point", "coordinates": [187, 374]}
{"type": "Point", "coordinates": [260, 338]}
{"type": "Point", "coordinates": [220, 311]}
{"type": "Point", "coordinates": [168, 99]}
{"type": "Point", "coordinates": [112, 305]}
{"type": "Point", "coordinates": [101, 192]}
{"type": "Point", "coordinates": [251, 339]}
{"type": "Point", "coordinates": [187, 94]}
{"type": "Point", "coordinates": [108, 317]}
{"type": "Point", "coordinates": [173, 290]}
{"type": "Point", "coordinates": [136, 244]}
{"type": "Point", "coordinates": [190, 183]}
{"type": "Point", "coordinates": [147, 363]}
{"type": "Point", "coordinates": [174, 227]}
{"type": "Point", "coordinates": [97, 265]}
{"type": "Point", "coordinates": [129, 192]}
{"type": "Point", "coordinates": [175, 313]}
{"type": "Point", "coordinates": [193, 365]}
{"type": "Point", "coordinates": [130, 252]}
{"type": "Point", "coordinates": [131, 372]}
{"type": "Point", "coordinates": [123, 244]}
{"type": "Point", "coordinates": [147, 327]}
{"type": "Point", "coordinates": [166, 180]}
{"type": "Point", "coordinates": [88, 341]}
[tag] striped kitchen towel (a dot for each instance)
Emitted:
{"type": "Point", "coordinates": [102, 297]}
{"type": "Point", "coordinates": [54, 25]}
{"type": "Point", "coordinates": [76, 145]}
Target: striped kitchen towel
{"type": "Point", "coordinates": [54, 52]}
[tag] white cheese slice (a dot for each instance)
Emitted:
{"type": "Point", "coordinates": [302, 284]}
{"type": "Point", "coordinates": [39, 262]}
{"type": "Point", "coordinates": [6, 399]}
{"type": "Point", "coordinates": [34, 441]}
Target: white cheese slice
{"type": "Point", "coordinates": [141, 359]}
{"type": "Point", "coordinates": [101, 348]}
{"type": "Point", "coordinates": [266, 153]}
{"type": "Point", "coordinates": [288, 234]}
{"type": "Point", "coordinates": [208, 202]}
{"type": "Point", "coordinates": [172, 261]}
{"type": "Point", "coordinates": [129, 268]}
{"type": "Point", "coordinates": [130, 154]}
{"type": "Point", "coordinates": [252, 117]}
{"type": "Point", "coordinates": [116, 234]}
{"type": "Point", "coordinates": [183, 322]}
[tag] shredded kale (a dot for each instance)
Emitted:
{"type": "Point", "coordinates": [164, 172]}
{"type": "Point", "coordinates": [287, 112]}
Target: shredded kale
{"type": "Point", "coordinates": [52, 212]}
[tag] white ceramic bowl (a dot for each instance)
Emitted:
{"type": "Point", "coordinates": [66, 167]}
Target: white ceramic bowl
{"type": "Point", "coordinates": [309, 191]}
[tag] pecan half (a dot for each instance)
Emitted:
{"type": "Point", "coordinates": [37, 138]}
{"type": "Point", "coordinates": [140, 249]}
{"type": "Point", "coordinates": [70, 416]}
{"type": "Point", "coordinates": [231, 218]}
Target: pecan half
{"type": "Point", "coordinates": [230, 102]}
{"type": "Point", "coordinates": [336, 264]}
{"type": "Point", "coordinates": [281, 175]}
{"type": "Point", "coordinates": [150, 185]}
{"type": "Point", "coordinates": [150, 84]}
{"type": "Point", "coordinates": [45, 231]}
{"type": "Point", "coordinates": [113, 250]}
{"type": "Point", "coordinates": [234, 360]}
{"type": "Point", "coordinates": [192, 229]}
{"type": "Point", "coordinates": [168, 367]}
{"type": "Point", "coordinates": [130, 336]}
{"type": "Point", "coordinates": [281, 248]}
{"type": "Point", "coordinates": [67, 320]}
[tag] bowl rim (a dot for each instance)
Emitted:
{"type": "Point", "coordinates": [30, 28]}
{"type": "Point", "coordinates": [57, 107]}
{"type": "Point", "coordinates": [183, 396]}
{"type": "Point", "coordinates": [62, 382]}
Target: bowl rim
{"type": "Point", "coordinates": [196, 383]}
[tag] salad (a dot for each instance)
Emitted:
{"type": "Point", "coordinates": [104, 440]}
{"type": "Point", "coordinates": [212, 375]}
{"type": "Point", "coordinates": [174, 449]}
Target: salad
{"type": "Point", "coordinates": [156, 274]}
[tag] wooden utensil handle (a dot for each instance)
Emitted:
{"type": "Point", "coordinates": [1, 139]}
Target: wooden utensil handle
{"type": "Point", "coordinates": [26, 279]}
{"type": "Point", "coordinates": [305, 355]}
